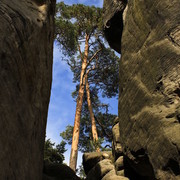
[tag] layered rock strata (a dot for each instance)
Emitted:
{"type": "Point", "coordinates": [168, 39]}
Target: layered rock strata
{"type": "Point", "coordinates": [149, 99]}
{"type": "Point", "coordinates": [26, 49]}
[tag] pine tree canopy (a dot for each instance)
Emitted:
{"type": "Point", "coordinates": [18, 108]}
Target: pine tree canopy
{"type": "Point", "coordinates": [73, 22]}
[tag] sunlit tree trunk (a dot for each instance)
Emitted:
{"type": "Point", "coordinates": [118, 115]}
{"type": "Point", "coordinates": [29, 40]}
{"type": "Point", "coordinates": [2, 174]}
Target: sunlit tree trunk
{"type": "Point", "coordinates": [76, 130]}
{"type": "Point", "coordinates": [93, 122]}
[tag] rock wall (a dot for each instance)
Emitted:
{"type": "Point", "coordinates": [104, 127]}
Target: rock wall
{"type": "Point", "coordinates": [149, 100]}
{"type": "Point", "coordinates": [26, 49]}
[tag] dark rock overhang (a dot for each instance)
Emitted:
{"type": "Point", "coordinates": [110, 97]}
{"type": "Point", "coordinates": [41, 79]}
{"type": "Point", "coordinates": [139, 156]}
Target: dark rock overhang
{"type": "Point", "coordinates": [113, 22]}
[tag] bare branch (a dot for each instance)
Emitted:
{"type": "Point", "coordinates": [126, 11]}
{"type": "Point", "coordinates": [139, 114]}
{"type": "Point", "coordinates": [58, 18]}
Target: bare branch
{"type": "Point", "coordinates": [90, 69]}
{"type": "Point", "coordinates": [70, 64]}
{"type": "Point", "coordinates": [94, 55]}
{"type": "Point", "coordinates": [79, 48]}
{"type": "Point", "coordinates": [107, 146]}
{"type": "Point", "coordinates": [94, 66]}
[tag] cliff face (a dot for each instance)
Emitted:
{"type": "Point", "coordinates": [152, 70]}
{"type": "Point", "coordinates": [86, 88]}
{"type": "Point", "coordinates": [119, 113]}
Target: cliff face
{"type": "Point", "coordinates": [149, 100]}
{"type": "Point", "coordinates": [26, 47]}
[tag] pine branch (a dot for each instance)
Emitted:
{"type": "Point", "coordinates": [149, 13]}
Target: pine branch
{"type": "Point", "coordinates": [103, 129]}
{"type": "Point", "coordinates": [94, 55]}
{"type": "Point", "coordinates": [90, 69]}
{"type": "Point", "coordinates": [71, 66]}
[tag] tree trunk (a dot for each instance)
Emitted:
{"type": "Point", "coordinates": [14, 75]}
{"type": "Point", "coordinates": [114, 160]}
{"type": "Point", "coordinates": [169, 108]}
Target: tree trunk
{"type": "Point", "coordinates": [93, 122]}
{"type": "Point", "coordinates": [76, 130]}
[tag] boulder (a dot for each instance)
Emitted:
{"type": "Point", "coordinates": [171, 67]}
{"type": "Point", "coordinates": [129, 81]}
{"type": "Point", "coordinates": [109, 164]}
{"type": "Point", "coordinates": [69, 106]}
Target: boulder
{"type": "Point", "coordinates": [119, 164]}
{"type": "Point", "coordinates": [91, 159]}
{"type": "Point", "coordinates": [100, 170]}
{"type": "Point", "coordinates": [58, 172]}
{"type": "Point", "coordinates": [149, 97]}
{"type": "Point", "coordinates": [26, 54]}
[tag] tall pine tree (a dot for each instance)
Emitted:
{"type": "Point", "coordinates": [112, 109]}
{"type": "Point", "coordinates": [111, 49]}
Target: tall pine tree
{"type": "Point", "coordinates": [80, 27]}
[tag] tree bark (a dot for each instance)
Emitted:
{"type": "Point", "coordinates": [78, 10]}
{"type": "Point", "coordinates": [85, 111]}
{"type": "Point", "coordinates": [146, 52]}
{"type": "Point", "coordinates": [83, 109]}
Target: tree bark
{"type": "Point", "coordinates": [76, 130]}
{"type": "Point", "coordinates": [93, 122]}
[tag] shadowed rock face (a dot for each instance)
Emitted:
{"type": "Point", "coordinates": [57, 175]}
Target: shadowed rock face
{"type": "Point", "coordinates": [58, 172]}
{"type": "Point", "coordinates": [26, 47]}
{"type": "Point", "coordinates": [149, 101]}
{"type": "Point", "coordinates": [113, 22]}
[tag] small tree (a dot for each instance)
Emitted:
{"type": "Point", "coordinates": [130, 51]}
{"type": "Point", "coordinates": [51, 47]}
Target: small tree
{"type": "Point", "coordinates": [54, 154]}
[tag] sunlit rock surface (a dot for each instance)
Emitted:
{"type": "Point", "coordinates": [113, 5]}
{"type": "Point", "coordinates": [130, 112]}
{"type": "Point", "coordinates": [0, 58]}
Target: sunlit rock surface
{"type": "Point", "coordinates": [26, 49]}
{"type": "Point", "coordinates": [149, 101]}
{"type": "Point", "coordinates": [100, 165]}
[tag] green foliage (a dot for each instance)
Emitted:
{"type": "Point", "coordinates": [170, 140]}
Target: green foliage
{"type": "Point", "coordinates": [73, 22]}
{"type": "Point", "coordinates": [106, 76]}
{"type": "Point", "coordinates": [67, 134]}
{"type": "Point", "coordinates": [104, 123]}
{"type": "Point", "coordinates": [72, 25]}
{"type": "Point", "coordinates": [66, 36]}
{"type": "Point", "coordinates": [54, 154]}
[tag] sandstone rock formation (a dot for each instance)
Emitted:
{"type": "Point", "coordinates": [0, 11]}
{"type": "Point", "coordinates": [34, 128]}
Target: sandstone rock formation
{"type": "Point", "coordinates": [149, 101]}
{"type": "Point", "coordinates": [58, 172]}
{"type": "Point", "coordinates": [116, 145]}
{"type": "Point", "coordinates": [99, 165]}
{"type": "Point", "coordinates": [91, 159]}
{"type": "Point", "coordinates": [26, 47]}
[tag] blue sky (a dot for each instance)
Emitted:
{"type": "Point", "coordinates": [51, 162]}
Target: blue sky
{"type": "Point", "coordinates": [62, 106]}
{"type": "Point", "coordinates": [98, 3]}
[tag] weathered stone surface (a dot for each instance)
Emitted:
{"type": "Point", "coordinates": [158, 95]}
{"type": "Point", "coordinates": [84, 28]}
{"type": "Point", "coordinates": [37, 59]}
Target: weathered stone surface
{"type": "Point", "coordinates": [120, 173]}
{"type": "Point", "coordinates": [100, 170]}
{"type": "Point", "coordinates": [116, 134]}
{"type": "Point", "coordinates": [112, 176]}
{"type": "Point", "coordinates": [116, 145]}
{"type": "Point", "coordinates": [26, 48]}
{"type": "Point", "coordinates": [91, 159]}
{"type": "Point", "coordinates": [58, 172]}
{"type": "Point", "coordinates": [149, 98]}
{"type": "Point", "coordinates": [119, 164]}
